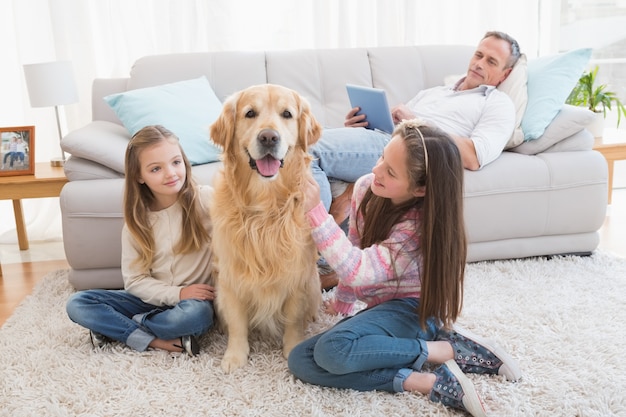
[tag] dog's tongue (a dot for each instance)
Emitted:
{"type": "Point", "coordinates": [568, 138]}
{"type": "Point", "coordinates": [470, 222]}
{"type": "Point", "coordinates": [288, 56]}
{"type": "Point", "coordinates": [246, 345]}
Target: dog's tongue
{"type": "Point", "coordinates": [268, 166]}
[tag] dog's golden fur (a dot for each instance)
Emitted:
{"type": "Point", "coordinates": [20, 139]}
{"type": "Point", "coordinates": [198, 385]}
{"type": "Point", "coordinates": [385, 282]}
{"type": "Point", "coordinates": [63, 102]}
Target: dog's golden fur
{"type": "Point", "coordinates": [266, 259]}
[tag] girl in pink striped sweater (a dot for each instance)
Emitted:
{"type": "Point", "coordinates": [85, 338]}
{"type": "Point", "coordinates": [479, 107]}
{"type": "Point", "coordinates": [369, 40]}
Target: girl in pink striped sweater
{"type": "Point", "coordinates": [404, 257]}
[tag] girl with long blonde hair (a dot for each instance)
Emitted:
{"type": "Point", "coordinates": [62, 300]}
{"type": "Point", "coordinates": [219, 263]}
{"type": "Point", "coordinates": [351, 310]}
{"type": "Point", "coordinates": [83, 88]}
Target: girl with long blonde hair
{"type": "Point", "coordinates": [167, 300]}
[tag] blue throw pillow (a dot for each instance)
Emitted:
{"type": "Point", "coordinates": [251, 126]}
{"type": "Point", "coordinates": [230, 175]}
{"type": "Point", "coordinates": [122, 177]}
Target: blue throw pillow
{"type": "Point", "coordinates": [187, 108]}
{"type": "Point", "coordinates": [550, 80]}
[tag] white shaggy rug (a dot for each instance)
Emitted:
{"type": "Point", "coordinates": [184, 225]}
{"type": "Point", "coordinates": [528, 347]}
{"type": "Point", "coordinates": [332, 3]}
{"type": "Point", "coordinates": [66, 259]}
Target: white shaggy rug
{"type": "Point", "coordinates": [563, 318]}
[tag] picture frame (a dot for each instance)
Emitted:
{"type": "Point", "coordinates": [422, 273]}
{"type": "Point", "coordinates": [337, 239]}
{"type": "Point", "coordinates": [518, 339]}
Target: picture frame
{"type": "Point", "coordinates": [17, 150]}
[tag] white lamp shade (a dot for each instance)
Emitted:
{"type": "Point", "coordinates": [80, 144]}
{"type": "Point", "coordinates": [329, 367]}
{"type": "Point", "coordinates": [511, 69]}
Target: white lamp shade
{"type": "Point", "coordinates": [50, 83]}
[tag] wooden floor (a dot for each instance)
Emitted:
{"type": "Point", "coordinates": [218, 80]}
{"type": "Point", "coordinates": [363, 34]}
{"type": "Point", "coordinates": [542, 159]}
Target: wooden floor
{"type": "Point", "coordinates": [18, 279]}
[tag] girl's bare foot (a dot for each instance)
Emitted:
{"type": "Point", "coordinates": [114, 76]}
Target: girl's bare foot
{"type": "Point", "coordinates": [340, 207]}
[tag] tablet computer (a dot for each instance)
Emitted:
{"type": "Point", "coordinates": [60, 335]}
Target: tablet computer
{"type": "Point", "coordinates": [373, 103]}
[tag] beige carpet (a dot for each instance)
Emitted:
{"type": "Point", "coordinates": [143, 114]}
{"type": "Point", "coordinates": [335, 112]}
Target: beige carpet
{"type": "Point", "coordinates": [563, 318]}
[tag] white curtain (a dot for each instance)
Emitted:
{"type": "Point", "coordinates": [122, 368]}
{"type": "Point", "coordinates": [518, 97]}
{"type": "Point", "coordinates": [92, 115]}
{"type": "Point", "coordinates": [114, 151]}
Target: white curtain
{"type": "Point", "coordinates": [103, 38]}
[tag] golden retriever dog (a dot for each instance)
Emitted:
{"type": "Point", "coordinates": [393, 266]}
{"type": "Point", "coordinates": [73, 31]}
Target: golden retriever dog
{"type": "Point", "coordinates": [267, 275]}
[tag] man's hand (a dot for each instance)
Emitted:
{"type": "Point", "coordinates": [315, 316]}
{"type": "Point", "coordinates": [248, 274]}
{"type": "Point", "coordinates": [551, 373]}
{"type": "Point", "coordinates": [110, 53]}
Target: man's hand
{"type": "Point", "coordinates": [198, 292]}
{"type": "Point", "coordinates": [354, 120]}
{"type": "Point", "coordinates": [400, 113]}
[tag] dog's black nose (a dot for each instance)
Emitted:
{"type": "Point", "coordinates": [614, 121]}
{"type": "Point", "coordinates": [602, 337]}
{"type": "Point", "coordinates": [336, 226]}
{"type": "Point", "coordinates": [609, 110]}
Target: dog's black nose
{"type": "Point", "coordinates": [268, 137]}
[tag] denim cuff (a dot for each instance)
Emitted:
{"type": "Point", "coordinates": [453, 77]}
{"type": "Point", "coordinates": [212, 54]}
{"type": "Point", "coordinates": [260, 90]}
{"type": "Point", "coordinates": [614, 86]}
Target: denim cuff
{"type": "Point", "coordinates": [138, 318]}
{"type": "Point", "coordinates": [421, 359]}
{"type": "Point", "coordinates": [398, 380]}
{"type": "Point", "coordinates": [139, 340]}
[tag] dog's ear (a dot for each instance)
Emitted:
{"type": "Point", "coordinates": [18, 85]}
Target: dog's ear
{"type": "Point", "coordinates": [223, 129]}
{"type": "Point", "coordinates": [309, 129]}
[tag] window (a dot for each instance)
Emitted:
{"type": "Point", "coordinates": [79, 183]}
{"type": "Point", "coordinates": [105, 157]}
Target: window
{"type": "Point", "coordinates": [600, 25]}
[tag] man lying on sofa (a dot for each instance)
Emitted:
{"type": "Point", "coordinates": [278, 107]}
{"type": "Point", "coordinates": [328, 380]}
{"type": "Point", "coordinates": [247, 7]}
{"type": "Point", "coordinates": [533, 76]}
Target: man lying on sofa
{"type": "Point", "coordinates": [479, 118]}
{"type": "Point", "coordinates": [488, 118]}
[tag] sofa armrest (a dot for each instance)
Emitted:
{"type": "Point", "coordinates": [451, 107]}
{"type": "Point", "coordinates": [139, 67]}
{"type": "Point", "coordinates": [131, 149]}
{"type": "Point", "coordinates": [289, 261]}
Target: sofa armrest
{"type": "Point", "coordinates": [99, 141]}
{"type": "Point", "coordinates": [92, 216]}
{"type": "Point", "coordinates": [582, 140]}
{"type": "Point", "coordinates": [568, 123]}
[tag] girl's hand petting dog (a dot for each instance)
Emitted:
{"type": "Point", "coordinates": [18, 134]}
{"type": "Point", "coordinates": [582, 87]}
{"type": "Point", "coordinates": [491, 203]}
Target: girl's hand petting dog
{"type": "Point", "coordinates": [311, 193]}
{"type": "Point", "coordinates": [329, 307]}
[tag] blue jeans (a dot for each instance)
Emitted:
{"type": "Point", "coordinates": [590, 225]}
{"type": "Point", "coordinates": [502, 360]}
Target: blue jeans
{"type": "Point", "coordinates": [345, 154]}
{"type": "Point", "coordinates": [374, 350]}
{"type": "Point", "coordinates": [123, 317]}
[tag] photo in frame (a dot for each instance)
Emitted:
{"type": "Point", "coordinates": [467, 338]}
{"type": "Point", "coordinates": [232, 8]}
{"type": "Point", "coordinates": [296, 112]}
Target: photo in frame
{"type": "Point", "coordinates": [17, 150]}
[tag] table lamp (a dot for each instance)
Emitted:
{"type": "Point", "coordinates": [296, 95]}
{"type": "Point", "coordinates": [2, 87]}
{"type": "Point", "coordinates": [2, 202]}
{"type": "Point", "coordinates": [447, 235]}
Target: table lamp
{"type": "Point", "coordinates": [51, 84]}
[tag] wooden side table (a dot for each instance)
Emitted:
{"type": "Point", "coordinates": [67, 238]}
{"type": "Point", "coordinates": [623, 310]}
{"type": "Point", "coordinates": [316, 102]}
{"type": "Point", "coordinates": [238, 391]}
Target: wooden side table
{"type": "Point", "coordinates": [47, 182]}
{"type": "Point", "coordinates": [613, 151]}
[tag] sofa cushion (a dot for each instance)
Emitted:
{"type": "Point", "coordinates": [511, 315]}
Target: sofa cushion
{"type": "Point", "coordinates": [187, 108]}
{"type": "Point", "coordinates": [550, 80]}
{"type": "Point", "coordinates": [568, 121]}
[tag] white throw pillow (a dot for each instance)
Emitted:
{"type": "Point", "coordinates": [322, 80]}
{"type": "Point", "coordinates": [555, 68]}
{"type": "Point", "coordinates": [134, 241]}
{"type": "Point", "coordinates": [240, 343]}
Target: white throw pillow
{"type": "Point", "coordinates": [515, 86]}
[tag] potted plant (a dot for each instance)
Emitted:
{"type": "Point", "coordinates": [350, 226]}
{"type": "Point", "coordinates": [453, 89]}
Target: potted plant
{"type": "Point", "coordinates": [597, 99]}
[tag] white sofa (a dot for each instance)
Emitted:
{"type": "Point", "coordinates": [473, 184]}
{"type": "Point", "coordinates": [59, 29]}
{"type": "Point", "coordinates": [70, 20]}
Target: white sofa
{"type": "Point", "coordinates": [545, 197]}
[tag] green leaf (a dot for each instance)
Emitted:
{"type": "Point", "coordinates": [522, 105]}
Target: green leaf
{"type": "Point", "coordinates": [595, 98]}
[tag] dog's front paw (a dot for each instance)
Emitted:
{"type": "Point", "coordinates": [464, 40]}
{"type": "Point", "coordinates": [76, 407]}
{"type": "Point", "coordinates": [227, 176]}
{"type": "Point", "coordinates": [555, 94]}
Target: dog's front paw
{"type": "Point", "coordinates": [287, 350]}
{"type": "Point", "coordinates": [233, 360]}
{"type": "Point", "coordinates": [289, 343]}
